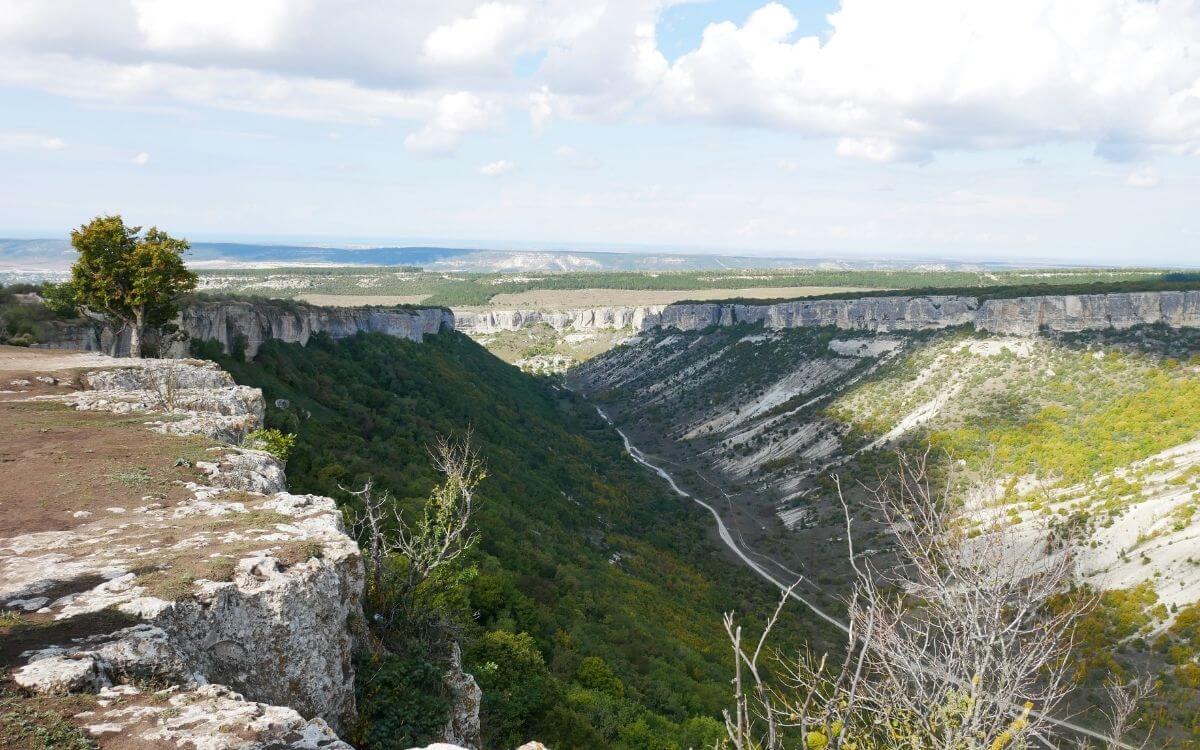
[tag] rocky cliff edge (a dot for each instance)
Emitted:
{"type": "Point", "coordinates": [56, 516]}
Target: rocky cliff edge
{"type": "Point", "coordinates": [246, 324]}
{"type": "Point", "coordinates": [1017, 316]}
{"type": "Point", "coordinates": [197, 601]}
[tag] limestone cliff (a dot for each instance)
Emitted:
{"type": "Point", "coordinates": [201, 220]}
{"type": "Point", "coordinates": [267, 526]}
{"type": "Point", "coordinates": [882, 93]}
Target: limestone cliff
{"type": "Point", "coordinates": [245, 323]}
{"type": "Point", "coordinates": [256, 322]}
{"type": "Point", "coordinates": [1090, 312]}
{"type": "Point", "coordinates": [231, 599]}
{"type": "Point", "coordinates": [1022, 315]}
{"type": "Point", "coordinates": [584, 319]}
{"type": "Point", "coordinates": [866, 313]}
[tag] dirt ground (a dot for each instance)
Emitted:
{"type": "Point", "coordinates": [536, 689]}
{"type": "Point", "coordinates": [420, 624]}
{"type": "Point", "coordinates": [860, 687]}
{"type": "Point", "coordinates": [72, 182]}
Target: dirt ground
{"type": "Point", "coordinates": [356, 300]}
{"type": "Point", "coordinates": [56, 462]}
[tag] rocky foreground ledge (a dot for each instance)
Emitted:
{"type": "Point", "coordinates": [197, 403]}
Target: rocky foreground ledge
{"type": "Point", "coordinates": [215, 609]}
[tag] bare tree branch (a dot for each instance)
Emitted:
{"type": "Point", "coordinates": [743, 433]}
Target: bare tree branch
{"type": "Point", "coordinates": [968, 623]}
{"type": "Point", "coordinates": [438, 537]}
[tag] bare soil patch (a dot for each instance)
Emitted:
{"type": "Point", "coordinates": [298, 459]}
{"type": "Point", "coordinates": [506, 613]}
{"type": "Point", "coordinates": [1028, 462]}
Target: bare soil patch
{"type": "Point", "coordinates": [56, 462]}
{"type": "Point", "coordinates": [361, 300]}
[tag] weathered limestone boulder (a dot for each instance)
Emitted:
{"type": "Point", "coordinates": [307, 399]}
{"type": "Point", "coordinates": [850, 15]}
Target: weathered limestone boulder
{"type": "Point", "coordinates": [211, 717]}
{"type": "Point", "coordinates": [143, 652]}
{"type": "Point", "coordinates": [280, 632]}
{"type": "Point", "coordinates": [244, 469]}
{"type": "Point", "coordinates": [201, 398]}
{"type": "Point", "coordinates": [463, 726]}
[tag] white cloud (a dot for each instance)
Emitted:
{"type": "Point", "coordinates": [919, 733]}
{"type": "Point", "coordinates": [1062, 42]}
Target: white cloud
{"type": "Point", "coordinates": [477, 39]}
{"type": "Point", "coordinates": [876, 149]}
{"type": "Point", "coordinates": [242, 24]}
{"type": "Point", "coordinates": [497, 168]}
{"type": "Point", "coordinates": [889, 81]}
{"type": "Point", "coordinates": [142, 159]}
{"type": "Point", "coordinates": [897, 80]}
{"type": "Point", "coordinates": [235, 89]}
{"type": "Point", "coordinates": [1145, 177]}
{"type": "Point", "coordinates": [27, 141]}
{"type": "Point", "coordinates": [455, 115]}
{"type": "Point", "coordinates": [541, 108]}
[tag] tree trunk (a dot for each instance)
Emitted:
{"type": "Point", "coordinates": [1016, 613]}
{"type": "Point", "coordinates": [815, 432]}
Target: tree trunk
{"type": "Point", "coordinates": [135, 334]}
{"type": "Point", "coordinates": [114, 346]}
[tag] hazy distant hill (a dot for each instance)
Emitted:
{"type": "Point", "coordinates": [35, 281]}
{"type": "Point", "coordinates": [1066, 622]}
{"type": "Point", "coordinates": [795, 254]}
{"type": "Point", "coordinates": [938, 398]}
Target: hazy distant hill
{"type": "Point", "coordinates": [56, 254]}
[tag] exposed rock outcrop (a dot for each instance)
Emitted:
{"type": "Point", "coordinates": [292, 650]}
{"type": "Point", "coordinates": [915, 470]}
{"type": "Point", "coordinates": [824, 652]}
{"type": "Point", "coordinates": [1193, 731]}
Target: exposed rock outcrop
{"type": "Point", "coordinates": [1021, 315]}
{"type": "Point", "coordinates": [245, 325]}
{"type": "Point", "coordinates": [463, 726]}
{"type": "Point", "coordinates": [866, 313]}
{"type": "Point", "coordinates": [586, 319]}
{"type": "Point", "coordinates": [239, 587]}
{"type": "Point", "coordinates": [234, 323]}
{"type": "Point", "coordinates": [1090, 312]}
{"type": "Point", "coordinates": [199, 396]}
{"type": "Point", "coordinates": [212, 717]}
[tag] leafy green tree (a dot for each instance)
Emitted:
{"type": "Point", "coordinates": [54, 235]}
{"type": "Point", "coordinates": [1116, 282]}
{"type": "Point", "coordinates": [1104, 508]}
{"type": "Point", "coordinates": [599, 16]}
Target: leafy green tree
{"type": "Point", "coordinates": [595, 674]}
{"type": "Point", "coordinates": [127, 279]}
{"type": "Point", "coordinates": [517, 688]}
{"type": "Point", "coordinates": [60, 298]}
{"type": "Point", "coordinates": [276, 442]}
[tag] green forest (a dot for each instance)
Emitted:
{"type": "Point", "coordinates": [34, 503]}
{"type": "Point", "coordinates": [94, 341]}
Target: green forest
{"type": "Point", "coordinates": [590, 609]}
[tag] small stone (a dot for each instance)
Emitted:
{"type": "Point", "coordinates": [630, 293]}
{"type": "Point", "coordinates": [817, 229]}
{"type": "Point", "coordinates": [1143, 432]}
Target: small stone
{"type": "Point", "coordinates": [20, 383]}
{"type": "Point", "coordinates": [46, 379]}
{"type": "Point", "coordinates": [82, 514]}
{"type": "Point", "coordinates": [115, 509]}
{"type": "Point", "coordinates": [60, 674]}
{"type": "Point", "coordinates": [29, 605]}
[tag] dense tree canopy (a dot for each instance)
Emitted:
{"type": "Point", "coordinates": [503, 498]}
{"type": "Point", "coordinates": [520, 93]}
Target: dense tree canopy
{"type": "Point", "coordinates": [130, 279]}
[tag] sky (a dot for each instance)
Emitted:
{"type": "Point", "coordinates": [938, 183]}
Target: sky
{"type": "Point", "coordinates": [974, 129]}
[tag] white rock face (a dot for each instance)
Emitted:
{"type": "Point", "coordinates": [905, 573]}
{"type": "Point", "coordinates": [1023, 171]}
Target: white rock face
{"type": "Point", "coordinates": [236, 323]}
{"type": "Point", "coordinates": [278, 632]}
{"type": "Point", "coordinates": [201, 398]}
{"type": "Point", "coordinates": [1021, 316]}
{"type": "Point", "coordinates": [256, 322]}
{"type": "Point", "coordinates": [583, 319]}
{"type": "Point", "coordinates": [1090, 312]}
